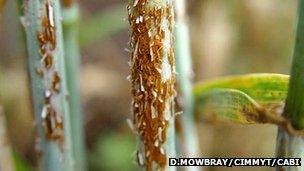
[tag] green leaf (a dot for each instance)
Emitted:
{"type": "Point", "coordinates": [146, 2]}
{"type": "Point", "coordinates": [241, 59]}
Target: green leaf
{"type": "Point", "coordinates": [235, 106]}
{"type": "Point", "coordinates": [253, 98]}
{"type": "Point", "coordinates": [228, 105]}
{"type": "Point", "coordinates": [265, 89]}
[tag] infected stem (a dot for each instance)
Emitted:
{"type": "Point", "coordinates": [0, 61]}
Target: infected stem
{"type": "Point", "coordinates": [153, 77]}
{"type": "Point", "coordinates": [49, 91]}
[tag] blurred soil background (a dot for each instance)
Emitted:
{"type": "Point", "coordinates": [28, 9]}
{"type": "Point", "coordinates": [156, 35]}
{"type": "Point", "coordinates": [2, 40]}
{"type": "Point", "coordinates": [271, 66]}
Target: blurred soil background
{"type": "Point", "coordinates": [227, 38]}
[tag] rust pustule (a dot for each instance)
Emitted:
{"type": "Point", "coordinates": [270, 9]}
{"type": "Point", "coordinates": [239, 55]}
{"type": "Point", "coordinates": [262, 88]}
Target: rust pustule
{"type": "Point", "coordinates": [53, 124]}
{"type": "Point", "coordinates": [56, 82]}
{"type": "Point", "coordinates": [151, 42]}
{"type": "Point", "coordinates": [39, 71]}
{"type": "Point", "coordinates": [46, 37]}
{"type": "Point", "coordinates": [48, 61]}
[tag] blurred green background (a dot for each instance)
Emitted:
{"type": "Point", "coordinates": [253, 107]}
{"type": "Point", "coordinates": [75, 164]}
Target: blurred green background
{"type": "Point", "coordinates": [227, 37]}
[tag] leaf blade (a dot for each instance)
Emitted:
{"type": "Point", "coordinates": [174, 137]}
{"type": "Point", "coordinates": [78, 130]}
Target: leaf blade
{"type": "Point", "coordinates": [263, 88]}
{"type": "Point", "coordinates": [245, 99]}
{"type": "Point", "coordinates": [227, 105]}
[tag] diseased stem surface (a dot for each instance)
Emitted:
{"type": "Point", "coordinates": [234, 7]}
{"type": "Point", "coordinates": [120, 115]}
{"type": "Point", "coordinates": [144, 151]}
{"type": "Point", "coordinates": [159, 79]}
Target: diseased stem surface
{"type": "Point", "coordinates": [6, 157]}
{"type": "Point", "coordinates": [153, 77]}
{"type": "Point", "coordinates": [49, 91]}
{"type": "Point", "coordinates": [184, 69]}
{"type": "Point", "coordinates": [289, 145]}
{"type": "Point", "coordinates": [70, 18]}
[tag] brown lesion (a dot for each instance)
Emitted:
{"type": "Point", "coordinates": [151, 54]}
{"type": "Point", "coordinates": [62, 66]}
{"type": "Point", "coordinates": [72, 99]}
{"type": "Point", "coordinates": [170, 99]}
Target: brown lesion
{"type": "Point", "coordinates": [261, 115]}
{"type": "Point", "coordinates": [56, 82]}
{"type": "Point", "coordinates": [152, 94]}
{"type": "Point", "coordinates": [53, 124]}
{"type": "Point", "coordinates": [46, 37]}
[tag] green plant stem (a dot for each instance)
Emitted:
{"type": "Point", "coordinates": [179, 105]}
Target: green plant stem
{"type": "Point", "coordinates": [53, 155]}
{"type": "Point", "coordinates": [6, 157]}
{"type": "Point", "coordinates": [184, 70]}
{"type": "Point", "coordinates": [289, 145]}
{"type": "Point", "coordinates": [189, 134]}
{"type": "Point", "coordinates": [294, 105]}
{"type": "Point", "coordinates": [70, 21]}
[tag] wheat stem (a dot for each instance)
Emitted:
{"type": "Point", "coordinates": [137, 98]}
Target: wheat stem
{"type": "Point", "coordinates": [42, 24]}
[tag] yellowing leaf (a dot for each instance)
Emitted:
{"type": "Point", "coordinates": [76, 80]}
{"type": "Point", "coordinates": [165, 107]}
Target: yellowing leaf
{"type": "Point", "coordinates": [227, 105]}
{"type": "Point", "coordinates": [252, 98]}
{"type": "Point", "coordinates": [264, 88]}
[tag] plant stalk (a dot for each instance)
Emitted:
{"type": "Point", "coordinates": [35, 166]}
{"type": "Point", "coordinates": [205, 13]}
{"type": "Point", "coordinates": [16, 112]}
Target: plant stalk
{"type": "Point", "coordinates": [70, 21]}
{"type": "Point", "coordinates": [185, 74]}
{"type": "Point", "coordinates": [290, 145]}
{"type": "Point", "coordinates": [42, 24]}
{"type": "Point", "coordinates": [153, 77]}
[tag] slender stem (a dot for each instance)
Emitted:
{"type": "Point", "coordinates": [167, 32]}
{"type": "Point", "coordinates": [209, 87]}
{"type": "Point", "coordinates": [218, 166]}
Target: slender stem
{"type": "Point", "coordinates": [70, 15]}
{"type": "Point", "coordinates": [184, 70]}
{"type": "Point", "coordinates": [295, 98]}
{"type": "Point", "coordinates": [6, 157]}
{"type": "Point", "coordinates": [289, 145]}
{"type": "Point", "coordinates": [42, 23]}
{"type": "Point", "coordinates": [153, 77]}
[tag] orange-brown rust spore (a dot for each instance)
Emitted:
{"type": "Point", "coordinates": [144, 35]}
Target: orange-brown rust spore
{"type": "Point", "coordinates": [56, 82]}
{"type": "Point", "coordinates": [46, 37]}
{"type": "Point", "coordinates": [53, 124]}
{"type": "Point", "coordinates": [153, 94]}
